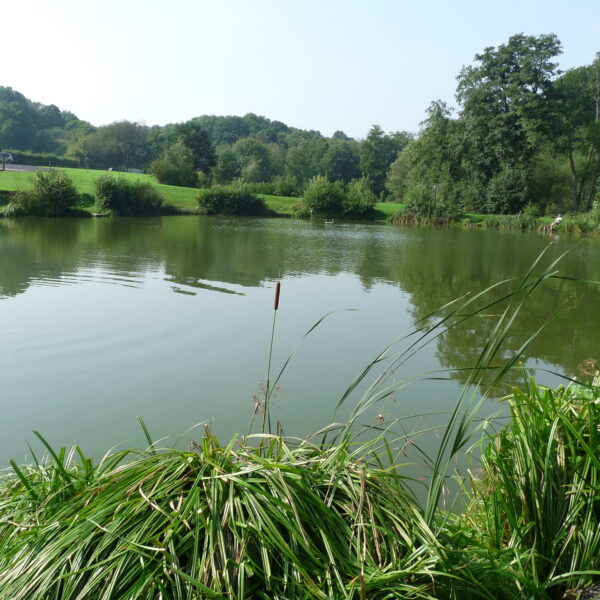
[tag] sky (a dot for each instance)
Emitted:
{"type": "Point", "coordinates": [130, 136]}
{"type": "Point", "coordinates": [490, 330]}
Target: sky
{"type": "Point", "coordinates": [314, 64]}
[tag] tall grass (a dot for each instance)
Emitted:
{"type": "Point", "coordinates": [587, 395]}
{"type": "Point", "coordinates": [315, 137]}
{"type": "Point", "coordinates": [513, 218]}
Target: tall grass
{"type": "Point", "coordinates": [332, 516]}
{"type": "Point", "coordinates": [538, 490]}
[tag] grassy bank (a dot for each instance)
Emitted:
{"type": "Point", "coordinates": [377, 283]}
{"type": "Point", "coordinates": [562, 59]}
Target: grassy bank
{"type": "Point", "coordinates": [328, 517]}
{"type": "Point", "coordinates": [181, 198]}
{"type": "Point", "coordinates": [273, 518]}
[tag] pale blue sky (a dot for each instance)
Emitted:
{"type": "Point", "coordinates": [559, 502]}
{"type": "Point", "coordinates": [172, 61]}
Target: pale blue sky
{"type": "Point", "coordinates": [326, 65]}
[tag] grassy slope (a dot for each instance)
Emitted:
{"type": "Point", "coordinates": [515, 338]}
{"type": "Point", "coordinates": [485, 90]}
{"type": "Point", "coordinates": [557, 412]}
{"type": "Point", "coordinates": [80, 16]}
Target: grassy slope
{"type": "Point", "coordinates": [181, 198]}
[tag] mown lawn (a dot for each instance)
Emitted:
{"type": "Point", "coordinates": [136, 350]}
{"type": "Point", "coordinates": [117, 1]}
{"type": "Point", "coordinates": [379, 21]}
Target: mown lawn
{"type": "Point", "coordinates": [183, 199]}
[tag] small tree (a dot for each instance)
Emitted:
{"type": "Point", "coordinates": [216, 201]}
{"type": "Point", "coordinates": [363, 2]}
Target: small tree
{"type": "Point", "coordinates": [175, 166]}
{"type": "Point", "coordinates": [360, 199]}
{"type": "Point", "coordinates": [324, 198]}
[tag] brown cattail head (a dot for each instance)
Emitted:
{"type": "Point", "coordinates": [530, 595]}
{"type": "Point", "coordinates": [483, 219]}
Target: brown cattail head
{"type": "Point", "coordinates": [277, 288]}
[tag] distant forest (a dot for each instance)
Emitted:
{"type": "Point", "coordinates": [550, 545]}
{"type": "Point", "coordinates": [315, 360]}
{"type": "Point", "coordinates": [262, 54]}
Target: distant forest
{"type": "Point", "coordinates": [525, 136]}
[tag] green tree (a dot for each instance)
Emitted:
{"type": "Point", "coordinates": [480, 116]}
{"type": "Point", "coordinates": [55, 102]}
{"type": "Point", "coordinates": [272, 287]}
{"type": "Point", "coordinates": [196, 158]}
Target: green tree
{"type": "Point", "coordinates": [175, 166]}
{"type": "Point", "coordinates": [325, 198]}
{"type": "Point", "coordinates": [18, 121]}
{"type": "Point", "coordinates": [506, 107]}
{"type": "Point", "coordinates": [228, 166]}
{"type": "Point", "coordinates": [360, 199]}
{"type": "Point", "coordinates": [577, 134]}
{"type": "Point", "coordinates": [198, 141]}
{"type": "Point", "coordinates": [341, 160]}
{"type": "Point", "coordinates": [432, 162]}
{"type": "Point", "coordinates": [305, 160]}
{"type": "Point", "coordinates": [254, 159]}
{"type": "Point", "coordinates": [120, 145]}
{"type": "Point", "coordinates": [377, 152]}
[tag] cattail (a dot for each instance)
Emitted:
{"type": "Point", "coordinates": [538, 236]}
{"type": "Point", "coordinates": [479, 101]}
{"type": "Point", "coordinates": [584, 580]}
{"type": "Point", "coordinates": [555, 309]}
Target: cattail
{"type": "Point", "coordinates": [277, 288]}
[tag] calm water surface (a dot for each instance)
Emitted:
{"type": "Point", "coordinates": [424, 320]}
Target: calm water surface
{"type": "Point", "coordinates": [170, 318]}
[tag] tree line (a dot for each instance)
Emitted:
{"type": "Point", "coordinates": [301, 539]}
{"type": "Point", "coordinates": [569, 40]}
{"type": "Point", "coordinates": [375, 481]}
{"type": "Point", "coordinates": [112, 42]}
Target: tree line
{"type": "Point", "coordinates": [524, 136]}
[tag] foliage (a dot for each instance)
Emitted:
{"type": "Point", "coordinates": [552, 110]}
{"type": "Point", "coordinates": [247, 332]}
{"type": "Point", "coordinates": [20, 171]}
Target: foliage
{"type": "Point", "coordinates": [231, 200]}
{"type": "Point", "coordinates": [52, 194]}
{"type": "Point", "coordinates": [537, 495]}
{"type": "Point", "coordinates": [360, 199]}
{"type": "Point", "coordinates": [120, 145]}
{"type": "Point", "coordinates": [576, 131]}
{"type": "Point", "coordinates": [378, 152]}
{"type": "Point", "coordinates": [198, 141]}
{"type": "Point", "coordinates": [436, 204]}
{"type": "Point", "coordinates": [279, 186]}
{"type": "Point", "coordinates": [175, 166]}
{"type": "Point", "coordinates": [324, 198]}
{"type": "Point", "coordinates": [341, 160]}
{"type": "Point", "coordinates": [40, 159]}
{"type": "Point", "coordinates": [254, 160]}
{"type": "Point", "coordinates": [119, 196]}
{"type": "Point", "coordinates": [328, 199]}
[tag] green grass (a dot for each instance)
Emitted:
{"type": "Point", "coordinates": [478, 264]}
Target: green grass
{"type": "Point", "coordinates": [183, 199]}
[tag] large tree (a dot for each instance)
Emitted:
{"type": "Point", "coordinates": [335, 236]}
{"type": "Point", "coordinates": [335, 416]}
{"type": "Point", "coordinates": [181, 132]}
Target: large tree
{"type": "Point", "coordinates": [577, 134]}
{"type": "Point", "coordinates": [377, 152]}
{"type": "Point", "coordinates": [119, 145]}
{"type": "Point", "coordinates": [198, 141]}
{"type": "Point", "coordinates": [506, 106]}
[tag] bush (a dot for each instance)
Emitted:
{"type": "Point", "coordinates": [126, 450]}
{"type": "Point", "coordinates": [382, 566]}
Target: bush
{"type": "Point", "coordinates": [231, 200]}
{"type": "Point", "coordinates": [280, 186]}
{"type": "Point", "coordinates": [360, 199]}
{"type": "Point", "coordinates": [438, 204]}
{"type": "Point", "coordinates": [122, 197]}
{"type": "Point", "coordinates": [175, 166]}
{"type": "Point", "coordinates": [52, 194]}
{"type": "Point", "coordinates": [324, 198]}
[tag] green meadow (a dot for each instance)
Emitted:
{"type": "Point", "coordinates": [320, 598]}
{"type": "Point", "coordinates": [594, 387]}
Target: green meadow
{"type": "Point", "coordinates": [181, 198]}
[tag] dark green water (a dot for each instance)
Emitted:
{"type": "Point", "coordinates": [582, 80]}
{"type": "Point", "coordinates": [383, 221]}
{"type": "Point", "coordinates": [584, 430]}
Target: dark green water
{"type": "Point", "coordinates": [103, 320]}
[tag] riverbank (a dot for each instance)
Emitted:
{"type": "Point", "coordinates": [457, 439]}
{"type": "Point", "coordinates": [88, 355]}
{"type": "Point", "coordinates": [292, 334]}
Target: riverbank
{"type": "Point", "coordinates": [181, 200]}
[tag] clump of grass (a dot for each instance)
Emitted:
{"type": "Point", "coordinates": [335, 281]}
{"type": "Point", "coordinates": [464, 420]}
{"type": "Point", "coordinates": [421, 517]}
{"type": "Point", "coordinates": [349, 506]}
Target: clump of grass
{"type": "Point", "coordinates": [213, 522]}
{"type": "Point", "coordinates": [537, 495]}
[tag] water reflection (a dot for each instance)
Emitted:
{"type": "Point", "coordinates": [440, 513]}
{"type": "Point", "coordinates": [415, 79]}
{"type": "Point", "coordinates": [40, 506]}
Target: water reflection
{"type": "Point", "coordinates": [431, 266]}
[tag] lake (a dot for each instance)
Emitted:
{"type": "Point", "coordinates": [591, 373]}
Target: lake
{"type": "Point", "coordinates": [170, 318]}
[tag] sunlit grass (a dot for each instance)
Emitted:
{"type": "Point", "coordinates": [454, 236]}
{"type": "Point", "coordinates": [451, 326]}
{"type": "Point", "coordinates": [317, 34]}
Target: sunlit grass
{"type": "Point", "coordinates": [182, 198]}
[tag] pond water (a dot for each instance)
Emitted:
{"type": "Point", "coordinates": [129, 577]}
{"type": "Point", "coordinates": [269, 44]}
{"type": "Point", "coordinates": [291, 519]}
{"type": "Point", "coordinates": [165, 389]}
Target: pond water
{"type": "Point", "coordinates": [170, 318]}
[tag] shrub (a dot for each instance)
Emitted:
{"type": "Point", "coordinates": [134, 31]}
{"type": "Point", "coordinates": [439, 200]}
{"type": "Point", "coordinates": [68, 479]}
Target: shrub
{"type": "Point", "coordinates": [324, 198]}
{"type": "Point", "coordinates": [438, 204]}
{"type": "Point", "coordinates": [360, 199]}
{"type": "Point", "coordinates": [280, 186]}
{"type": "Point", "coordinates": [121, 197]}
{"type": "Point", "coordinates": [231, 200]}
{"type": "Point", "coordinates": [285, 185]}
{"type": "Point", "coordinates": [175, 166]}
{"type": "Point", "coordinates": [52, 194]}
